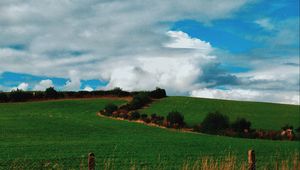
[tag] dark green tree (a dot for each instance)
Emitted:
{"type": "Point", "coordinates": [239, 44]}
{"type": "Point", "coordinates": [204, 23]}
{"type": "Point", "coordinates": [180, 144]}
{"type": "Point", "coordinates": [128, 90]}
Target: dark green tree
{"type": "Point", "coordinates": [214, 123]}
{"type": "Point", "coordinates": [175, 118]}
{"type": "Point", "coordinates": [51, 93]}
{"type": "Point", "coordinates": [240, 124]}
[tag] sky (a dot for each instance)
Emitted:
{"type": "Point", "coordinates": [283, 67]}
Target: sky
{"type": "Point", "coordinates": [225, 49]}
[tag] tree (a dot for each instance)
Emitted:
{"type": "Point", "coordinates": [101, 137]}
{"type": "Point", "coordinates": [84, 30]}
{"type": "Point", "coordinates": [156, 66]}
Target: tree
{"type": "Point", "coordinates": [158, 93]}
{"type": "Point", "coordinates": [175, 119]}
{"type": "Point", "coordinates": [241, 124]}
{"type": "Point", "coordinates": [134, 115]}
{"type": "Point", "coordinates": [139, 101]}
{"type": "Point", "coordinates": [110, 108]}
{"type": "Point", "coordinates": [3, 97]}
{"type": "Point", "coordinates": [51, 93]}
{"type": "Point", "coordinates": [214, 123]}
{"type": "Point", "coordinates": [285, 127]}
{"type": "Point", "coordinates": [19, 95]}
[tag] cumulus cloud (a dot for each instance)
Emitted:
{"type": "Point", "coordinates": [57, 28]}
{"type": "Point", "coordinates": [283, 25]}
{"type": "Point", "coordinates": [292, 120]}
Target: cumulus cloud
{"type": "Point", "coordinates": [177, 71]}
{"type": "Point", "coordinates": [248, 95]}
{"type": "Point", "coordinates": [74, 83]}
{"type": "Point", "coordinates": [43, 85]}
{"type": "Point", "coordinates": [22, 86]}
{"type": "Point", "coordinates": [60, 35]}
{"type": "Point", "coordinates": [183, 40]}
{"type": "Point", "coordinates": [126, 43]}
{"type": "Point", "coordinates": [88, 88]}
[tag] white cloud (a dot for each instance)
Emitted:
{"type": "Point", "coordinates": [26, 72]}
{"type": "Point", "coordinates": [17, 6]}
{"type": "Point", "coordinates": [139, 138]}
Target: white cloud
{"type": "Point", "coordinates": [21, 86]}
{"type": "Point", "coordinates": [178, 71]}
{"type": "Point", "coordinates": [43, 85]}
{"type": "Point", "coordinates": [126, 43]}
{"type": "Point", "coordinates": [88, 88]}
{"type": "Point", "coordinates": [248, 95]}
{"type": "Point", "coordinates": [274, 75]}
{"type": "Point", "coordinates": [183, 40]}
{"type": "Point", "coordinates": [265, 23]}
{"type": "Point", "coordinates": [52, 30]}
{"type": "Point", "coordinates": [74, 83]}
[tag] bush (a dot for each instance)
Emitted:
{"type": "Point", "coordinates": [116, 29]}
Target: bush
{"type": "Point", "coordinates": [51, 93]}
{"type": "Point", "coordinates": [158, 93]}
{"type": "Point", "coordinates": [110, 108]}
{"type": "Point", "coordinates": [240, 124]}
{"type": "Point", "coordinates": [285, 127]}
{"type": "Point", "coordinates": [139, 101]}
{"type": "Point", "coordinates": [157, 119]}
{"type": "Point", "coordinates": [153, 116]}
{"type": "Point", "coordinates": [144, 117]}
{"type": "Point", "coordinates": [20, 96]}
{"type": "Point", "coordinates": [123, 115]}
{"type": "Point", "coordinates": [3, 97]}
{"type": "Point", "coordinates": [175, 119]}
{"type": "Point", "coordinates": [118, 92]}
{"type": "Point", "coordinates": [214, 123]}
{"type": "Point", "coordinates": [134, 115]}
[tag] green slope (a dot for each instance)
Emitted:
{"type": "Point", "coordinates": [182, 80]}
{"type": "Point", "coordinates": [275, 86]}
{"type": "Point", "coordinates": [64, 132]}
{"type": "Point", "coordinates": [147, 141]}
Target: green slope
{"type": "Point", "coordinates": [262, 115]}
{"type": "Point", "coordinates": [66, 131]}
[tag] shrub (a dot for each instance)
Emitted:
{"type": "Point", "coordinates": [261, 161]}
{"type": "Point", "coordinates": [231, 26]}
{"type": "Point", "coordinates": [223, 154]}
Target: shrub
{"type": "Point", "coordinates": [214, 123]}
{"type": "Point", "coordinates": [175, 118]}
{"type": "Point", "coordinates": [285, 127]}
{"type": "Point", "coordinates": [81, 94]}
{"type": "Point", "coordinates": [19, 95]}
{"type": "Point", "coordinates": [143, 117]}
{"type": "Point", "coordinates": [38, 95]}
{"type": "Point", "coordinates": [110, 108]}
{"type": "Point", "coordinates": [157, 119]}
{"type": "Point", "coordinates": [153, 117]}
{"type": "Point", "coordinates": [117, 91]}
{"type": "Point", "coordinates": [51, 93]}
{"type": "Point", "coordinates": [158, 93]}
{"type": "Point", "coordinates": [3, 97]}
{"type": "Point", "coordinates": [139, 101]}
{"type": "Point", "coordinates": [240, 125]}
{"type": "Point", "coordinates": [123, 115]}
{"type": "Point", "coordinates": [134, 115]}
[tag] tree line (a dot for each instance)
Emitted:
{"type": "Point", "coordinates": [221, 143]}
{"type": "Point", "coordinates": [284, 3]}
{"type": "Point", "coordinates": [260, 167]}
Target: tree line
{"type": "Point", "coordinates": [50, 93]}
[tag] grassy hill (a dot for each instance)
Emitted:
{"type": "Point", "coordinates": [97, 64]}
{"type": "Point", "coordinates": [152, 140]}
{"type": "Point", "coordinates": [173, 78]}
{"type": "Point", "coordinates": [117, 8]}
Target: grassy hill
{"type": "Point", "coordinates": [33, 134]}
{"type": "Point", "coordinates": [262, 115]}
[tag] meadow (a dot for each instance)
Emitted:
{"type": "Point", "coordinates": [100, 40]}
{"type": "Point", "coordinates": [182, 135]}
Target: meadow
{"type": "Point", "coordinates": [267, 116]}
{"type": "Point", "coordinates": [60, 134]}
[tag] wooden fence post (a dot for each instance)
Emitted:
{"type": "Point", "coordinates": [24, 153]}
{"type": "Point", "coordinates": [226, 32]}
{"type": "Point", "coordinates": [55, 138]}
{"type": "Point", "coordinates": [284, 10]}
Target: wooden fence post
{"type": "Point", "coordinates": [251, 160]}
{"type": "Point", "coordinates": [91, 161]}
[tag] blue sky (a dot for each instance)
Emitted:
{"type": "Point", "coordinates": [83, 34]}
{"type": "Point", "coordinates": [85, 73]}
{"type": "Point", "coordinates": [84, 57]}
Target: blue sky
{"type": "Point", "coordinates": [219, 49]}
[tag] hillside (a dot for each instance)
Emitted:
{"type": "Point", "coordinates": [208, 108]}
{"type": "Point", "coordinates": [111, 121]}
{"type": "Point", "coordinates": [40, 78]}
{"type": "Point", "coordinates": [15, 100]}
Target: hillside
{"type": "Point", "coordinates": [262, 115]}
{"type": "Point", "coordinates": [65, 131]}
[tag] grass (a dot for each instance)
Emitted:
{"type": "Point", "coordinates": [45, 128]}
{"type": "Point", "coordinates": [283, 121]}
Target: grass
{"type": "Point", "coordinates": [262, 115]}
{"type": "Point", "coordinates": [60, 134]}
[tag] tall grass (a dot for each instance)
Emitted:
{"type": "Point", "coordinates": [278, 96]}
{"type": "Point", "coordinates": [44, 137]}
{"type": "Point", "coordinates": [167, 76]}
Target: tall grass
{"type": "Point", "coordinates": [230, 162]}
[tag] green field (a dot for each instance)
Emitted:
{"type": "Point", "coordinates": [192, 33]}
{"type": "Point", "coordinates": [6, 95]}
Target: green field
{"type": "Point", "coordinates": [65, 131]}
{"type": "Point", "coordinates": [261, 115]}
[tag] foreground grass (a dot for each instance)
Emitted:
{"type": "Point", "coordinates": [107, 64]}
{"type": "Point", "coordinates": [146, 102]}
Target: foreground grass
{"type": "Point", "coordinates": [61, 133]}
{"type": "Point", "coordinates": [205, 163]}
{"type": "Point", "coordinates": [262, 115]}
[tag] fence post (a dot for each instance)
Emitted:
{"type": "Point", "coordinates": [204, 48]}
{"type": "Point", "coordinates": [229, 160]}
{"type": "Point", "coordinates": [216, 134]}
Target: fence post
{"type": "Point", "coordinates": [251, 160]}
{"type": "Point", "coordinates": [91, 161]}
